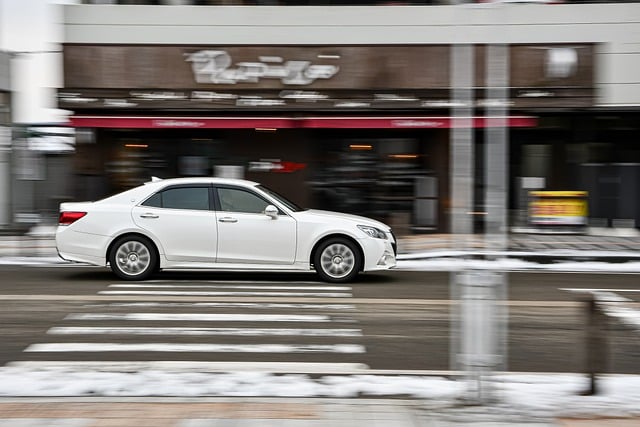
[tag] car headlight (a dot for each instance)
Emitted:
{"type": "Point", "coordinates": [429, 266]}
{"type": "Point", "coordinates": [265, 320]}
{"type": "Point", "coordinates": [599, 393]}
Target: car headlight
{"type": "Point", "coordinates": [376, 233]}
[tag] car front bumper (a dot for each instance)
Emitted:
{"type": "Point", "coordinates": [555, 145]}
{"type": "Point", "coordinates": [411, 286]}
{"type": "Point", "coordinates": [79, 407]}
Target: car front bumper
{"type": "Point", "coordinates": [379, 254]}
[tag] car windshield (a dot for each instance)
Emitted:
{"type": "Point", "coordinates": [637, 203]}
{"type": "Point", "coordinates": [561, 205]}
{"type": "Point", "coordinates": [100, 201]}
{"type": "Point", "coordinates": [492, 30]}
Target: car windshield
{"type": "Point", "coordinates": [288, 203]}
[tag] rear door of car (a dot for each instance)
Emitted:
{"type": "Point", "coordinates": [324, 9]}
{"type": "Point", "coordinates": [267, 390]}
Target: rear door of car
{"type": "Point", "coordinates": [246, 234]}
{"type": "Point", "coordinates": [182, 218]}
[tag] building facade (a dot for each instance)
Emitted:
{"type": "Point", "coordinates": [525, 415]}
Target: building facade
{"type": "Point", "coordinates": [5, 138]}
{"type": "Point", "coordinates": [352, 108]}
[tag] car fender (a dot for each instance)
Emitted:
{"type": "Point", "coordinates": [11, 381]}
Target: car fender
{"type": "Point", "coordinates": [141, 232]}
{"type": "Point", "coordinates": [330, 232]}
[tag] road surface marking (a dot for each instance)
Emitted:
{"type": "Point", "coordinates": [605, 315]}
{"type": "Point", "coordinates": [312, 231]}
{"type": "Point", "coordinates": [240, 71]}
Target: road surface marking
{"type": "Point", "coordinates": [200, 317]}
{"type": "Point", "coordinates": [205, 331]}
{"type": "Point", "coordinates": [599, 290]}
{"type": "Point", "coordinates": [225, 286]}
{"type": "Point", "coordinates": [228, 305]}
{"type": "Point", "coordinates": [300, 300]}
{"type": "Point", "coordinates": [228, 282]}
{"type": "Point", "coordinates": [208, 294]}
{"type": "Point", "coordinates": [192, 348]}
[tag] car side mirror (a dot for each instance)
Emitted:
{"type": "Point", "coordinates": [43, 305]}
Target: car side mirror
{"type": "Point", "coordinates": [271, 211]}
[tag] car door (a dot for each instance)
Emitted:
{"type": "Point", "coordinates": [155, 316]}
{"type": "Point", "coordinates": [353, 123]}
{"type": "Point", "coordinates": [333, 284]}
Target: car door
{"type": "Point", "coordinates": [182, 219]}
{"type": "Point", "coordinates": [247, 235]}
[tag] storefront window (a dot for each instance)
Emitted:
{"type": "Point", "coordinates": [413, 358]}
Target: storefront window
{"type": "Point", "coordinates": [380, 178]}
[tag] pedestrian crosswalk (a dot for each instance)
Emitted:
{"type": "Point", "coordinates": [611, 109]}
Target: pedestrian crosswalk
{"type": "Point", "coordinates": [236, 332]}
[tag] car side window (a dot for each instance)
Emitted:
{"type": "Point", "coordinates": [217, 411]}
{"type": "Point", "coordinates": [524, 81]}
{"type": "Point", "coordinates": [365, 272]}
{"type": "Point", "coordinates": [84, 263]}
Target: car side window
{"type": "Point", "coordinates": [154, 201]}
{"type": "Point", "coordinates": [238, 200]}
{"type": "Point", "coordinates": [192, 198]}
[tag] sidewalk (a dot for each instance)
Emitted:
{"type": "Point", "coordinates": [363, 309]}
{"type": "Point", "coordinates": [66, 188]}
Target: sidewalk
{"type": "Point", "coordinates": [267, 412]}
{"type": "Point", "coordinates": [206, 412]}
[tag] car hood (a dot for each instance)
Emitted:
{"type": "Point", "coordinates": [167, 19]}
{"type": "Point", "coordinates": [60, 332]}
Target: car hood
{"type": "Point", "coordinates": [356, 219]}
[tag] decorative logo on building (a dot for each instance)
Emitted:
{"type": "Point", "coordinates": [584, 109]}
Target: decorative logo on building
{"type": "Point", "coordinates": [275, 165]}
{"type": "Point", "coordinates": [217, 67]}
{"type": "Point", "coordinates": [561, 62]}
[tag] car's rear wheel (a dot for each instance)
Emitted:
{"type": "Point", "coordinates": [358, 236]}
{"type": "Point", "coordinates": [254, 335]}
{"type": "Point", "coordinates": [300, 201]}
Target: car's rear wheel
{"type": "Point", "coordinates": [337, 260]}
{"type": "Point", "coordinates": [133, 258]}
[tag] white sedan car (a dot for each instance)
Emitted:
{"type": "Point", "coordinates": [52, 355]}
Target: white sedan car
{"type": "Point", "coordinates": [215, 223]}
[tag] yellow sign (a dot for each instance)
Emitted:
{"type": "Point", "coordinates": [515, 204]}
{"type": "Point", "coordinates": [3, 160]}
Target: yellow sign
{"type": "Point", "coordinates": [558, 207]}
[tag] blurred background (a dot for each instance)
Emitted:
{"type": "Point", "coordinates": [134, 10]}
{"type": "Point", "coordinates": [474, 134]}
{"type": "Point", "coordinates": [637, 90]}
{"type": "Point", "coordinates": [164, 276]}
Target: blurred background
{"type": "Point", "coordinates": [353, 108]}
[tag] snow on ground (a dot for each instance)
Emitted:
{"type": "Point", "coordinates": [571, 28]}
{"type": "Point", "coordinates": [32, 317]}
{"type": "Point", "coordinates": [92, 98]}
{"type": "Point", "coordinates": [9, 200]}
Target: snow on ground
{"type": "Point", "coordinates": [514, 264]}
{"type": "Point", "coordinates": [541, 395]}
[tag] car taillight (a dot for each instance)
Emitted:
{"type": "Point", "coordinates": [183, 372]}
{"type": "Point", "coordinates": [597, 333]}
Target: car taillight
{"type": "Point", "coordinates": [67, 218]}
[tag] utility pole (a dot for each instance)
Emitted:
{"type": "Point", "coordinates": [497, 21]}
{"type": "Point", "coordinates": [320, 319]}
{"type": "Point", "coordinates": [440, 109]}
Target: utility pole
{"type": "Point", "coordinates": [479, 315]}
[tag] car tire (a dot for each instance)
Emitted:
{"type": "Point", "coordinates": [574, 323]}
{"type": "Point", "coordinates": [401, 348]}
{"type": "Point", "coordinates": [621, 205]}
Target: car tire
{"type": "Point", "coordinates": [337, 260]}
{"type": "Point", "coordinates": [133, 258]}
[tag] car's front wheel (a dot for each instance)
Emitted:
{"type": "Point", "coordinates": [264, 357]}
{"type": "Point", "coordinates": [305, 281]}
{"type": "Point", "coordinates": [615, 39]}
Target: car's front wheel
{"type": "Point", "coordinates": [337, 260]}
{"type": "Point", "coordinates": [133, 258]}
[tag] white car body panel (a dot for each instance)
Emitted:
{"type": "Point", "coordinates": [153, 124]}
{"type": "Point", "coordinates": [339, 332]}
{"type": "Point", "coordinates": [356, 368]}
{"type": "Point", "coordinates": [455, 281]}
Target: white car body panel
{"type": "Point", "coordinates": [255, 238]}
{"type": "Point", "coordinates": [186, 235]}
{"type": "Point", "coordinates": [209, 239]}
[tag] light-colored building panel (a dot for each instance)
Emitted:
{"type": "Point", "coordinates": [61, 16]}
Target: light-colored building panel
{"type": "Point", "coordinates": [468, 14]}
{"type": "Point", "coordinates": [507, 23]}
{"type": "Point", "coordinates": [621, 68]}
{"type": "Point", "coordinates": [326, 35]}
{"type": "Point", "coordinates": [619, 95]}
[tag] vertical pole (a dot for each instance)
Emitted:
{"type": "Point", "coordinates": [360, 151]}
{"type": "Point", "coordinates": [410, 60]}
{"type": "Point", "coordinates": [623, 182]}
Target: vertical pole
{"type": "Point", "coordinates": [461, 176]}
{"type": "Point", "coordinates": [496, 160]}
{"type": "Point", "coordinates": [496, 147]}
{"type": "Point", "coordinates": [5, 176]}
{"type": "Point", "coordinates": [595, 344]}
{"type": "Point", "coordinates": [461, 158]}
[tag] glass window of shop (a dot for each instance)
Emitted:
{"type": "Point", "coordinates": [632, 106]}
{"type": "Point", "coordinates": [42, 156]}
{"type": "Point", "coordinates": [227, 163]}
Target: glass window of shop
{"type": "Point", "coordinates": [388, 178]}
{"type": "Point", "coordinates": [397, 176]}
{"type": "Point", "coordinates": [116, 160]}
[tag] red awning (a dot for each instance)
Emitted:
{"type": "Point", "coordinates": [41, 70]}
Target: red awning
{"type": "Point", "coordinates": [339, 122]}
{"type": "Point", "coordinates": [416, 122]}
{"type": "Point", "coordinates": [179, 122]}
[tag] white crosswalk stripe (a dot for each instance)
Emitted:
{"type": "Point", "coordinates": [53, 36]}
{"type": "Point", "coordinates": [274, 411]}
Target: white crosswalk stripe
{"type": "Point", "coordinates": [232, 286]}
{"type": "Point", "coordinates": [203, 348]}
{"type": "Point", "coordinates": [230, 293]}
{"type": "Point", "coordinates": [131, 329]}
{"type": "Point", "coordinates": [205, 331]}
{"type": "Point", "coordinates": [199, 317]}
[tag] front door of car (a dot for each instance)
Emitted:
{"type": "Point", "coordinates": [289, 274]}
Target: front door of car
{"type": "Point", "coordinates": [247, 235]}
{"type": "Point", "coordinates": [182, 219]}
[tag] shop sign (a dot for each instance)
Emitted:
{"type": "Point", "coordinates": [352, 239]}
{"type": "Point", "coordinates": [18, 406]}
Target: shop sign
{"type": "Point", "coordinates": [217, 67]}
{"type": "Point", "coordinates": [418, 123]}
{"type": "Point", "coordinates": [276, 165]}
{"type": "Point", "coordinates": [177, 123]}
{"type": "Point", "coordinates": [567, 208]}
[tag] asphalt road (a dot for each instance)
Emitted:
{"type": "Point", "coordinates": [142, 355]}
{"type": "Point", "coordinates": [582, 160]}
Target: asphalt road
{"type": "Point", "coordinates": [397, 320]}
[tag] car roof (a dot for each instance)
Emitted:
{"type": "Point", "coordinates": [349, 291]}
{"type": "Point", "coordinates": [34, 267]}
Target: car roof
{"type": "Point", "coordinates": [201, 179]}
{"type": "Point", "coordinates": [135, 194]}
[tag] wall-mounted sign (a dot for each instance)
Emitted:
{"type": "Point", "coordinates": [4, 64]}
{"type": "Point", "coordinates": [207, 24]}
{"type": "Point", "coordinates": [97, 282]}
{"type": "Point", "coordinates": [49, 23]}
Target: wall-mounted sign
{"type": "Point", "coordinates": [217, 67]}
{"type": "Point", "coordinates": [240, 78]}
{"type": "Point", "coordinates": [568, 208]}
{"type": "Point", "coordinates": [275, 165]}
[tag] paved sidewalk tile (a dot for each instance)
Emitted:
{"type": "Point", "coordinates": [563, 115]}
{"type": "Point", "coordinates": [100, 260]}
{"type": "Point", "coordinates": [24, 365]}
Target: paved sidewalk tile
{"type": "Point", "coordinates": [227, 412]}
{"type": "Point", "coordinates": [599, 422]}
{"type": "Point", "coordinates": [79, 413]}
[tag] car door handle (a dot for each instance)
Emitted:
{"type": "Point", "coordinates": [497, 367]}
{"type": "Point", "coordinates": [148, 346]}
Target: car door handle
{"type": "Point", "coordinates": [148, 215]}
{"type": "Point", "coordinates": [227, 219]}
